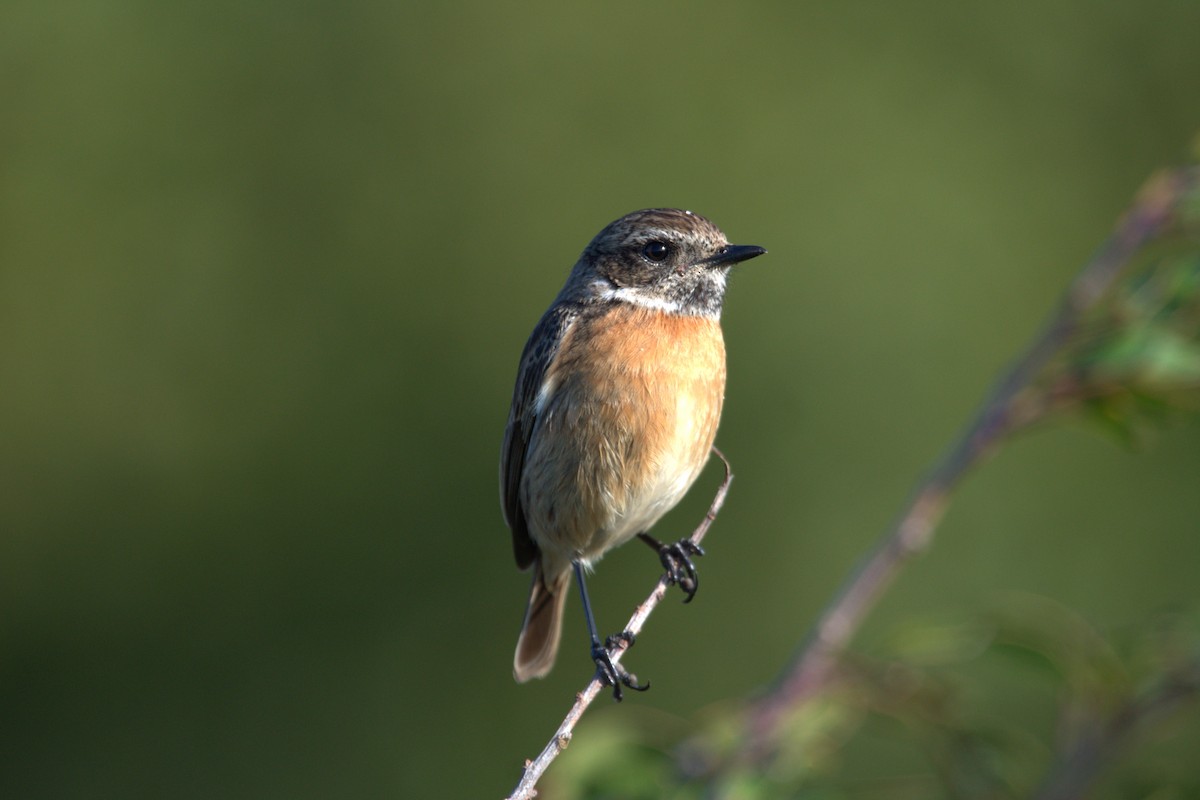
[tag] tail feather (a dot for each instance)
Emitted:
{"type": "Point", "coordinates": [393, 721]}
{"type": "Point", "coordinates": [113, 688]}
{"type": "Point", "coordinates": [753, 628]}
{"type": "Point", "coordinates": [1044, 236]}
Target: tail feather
{"type": "Point", "coordinates": [538, 644]}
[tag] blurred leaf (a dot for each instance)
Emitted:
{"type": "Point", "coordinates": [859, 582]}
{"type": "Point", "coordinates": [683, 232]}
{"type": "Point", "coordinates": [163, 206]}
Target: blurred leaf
{"type": "Point", "coordinates": [615, 761]}
{"type": "Point", "coordinates": [1086, 662]}
{"type": "Point", "coordinates": [944, 640]}
{"type": "Point", "coordinates": [810, 740]}
{"type": "Point", "coordinates": [1150, 355]}
{"type": "Point", "coordinates": [1136, 359]}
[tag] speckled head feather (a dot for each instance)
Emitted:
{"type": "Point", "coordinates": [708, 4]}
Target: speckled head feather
{"type": "Point", "coordinates": [662, 258]}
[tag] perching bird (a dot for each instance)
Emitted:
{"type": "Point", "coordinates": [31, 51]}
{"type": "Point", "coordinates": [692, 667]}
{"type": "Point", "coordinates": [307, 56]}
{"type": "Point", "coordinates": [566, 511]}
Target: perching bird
{"type": "Point", "coordinates": [615, 410]}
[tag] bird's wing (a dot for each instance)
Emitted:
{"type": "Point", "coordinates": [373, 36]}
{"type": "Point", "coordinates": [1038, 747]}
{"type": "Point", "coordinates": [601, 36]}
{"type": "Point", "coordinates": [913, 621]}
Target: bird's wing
{"type": "Point", "coordinates": [540, 351]}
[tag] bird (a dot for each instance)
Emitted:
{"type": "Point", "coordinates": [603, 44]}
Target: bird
{"type": "Point", "coordinates": [615, 410]}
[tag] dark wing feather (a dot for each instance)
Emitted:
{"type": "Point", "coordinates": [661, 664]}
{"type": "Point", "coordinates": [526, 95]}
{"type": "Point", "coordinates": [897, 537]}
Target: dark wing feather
{"type": "Point", "coordinates": [539, 353]}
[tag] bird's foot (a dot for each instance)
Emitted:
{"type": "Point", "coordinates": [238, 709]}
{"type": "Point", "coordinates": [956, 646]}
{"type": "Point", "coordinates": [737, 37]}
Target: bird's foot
{"type": "Point", "coordinates": [677, 561]}
{"type": "Point", "coordinates": [611, 672]}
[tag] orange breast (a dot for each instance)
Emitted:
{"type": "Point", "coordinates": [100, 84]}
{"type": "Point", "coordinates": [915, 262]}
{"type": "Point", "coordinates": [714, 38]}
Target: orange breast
{"type": "Point", "coordinates": [629, 427]}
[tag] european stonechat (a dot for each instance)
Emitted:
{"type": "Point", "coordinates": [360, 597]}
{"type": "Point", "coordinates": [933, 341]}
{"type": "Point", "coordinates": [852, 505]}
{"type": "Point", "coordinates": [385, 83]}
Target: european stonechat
{"type": "Point", "coordinates": [615, 410]}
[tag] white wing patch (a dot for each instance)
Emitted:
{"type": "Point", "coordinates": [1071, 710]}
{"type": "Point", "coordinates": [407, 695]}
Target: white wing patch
{"type": "Point", "coordinates": [545, 392]}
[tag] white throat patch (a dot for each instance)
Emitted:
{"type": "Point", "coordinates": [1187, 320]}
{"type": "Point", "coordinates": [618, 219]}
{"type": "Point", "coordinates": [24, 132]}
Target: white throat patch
{"type": "Point", "coordinates": [633, 296]}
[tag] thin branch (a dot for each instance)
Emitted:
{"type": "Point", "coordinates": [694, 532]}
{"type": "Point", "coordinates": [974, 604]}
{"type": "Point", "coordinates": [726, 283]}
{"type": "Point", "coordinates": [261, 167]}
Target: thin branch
{"type": "Point", "coordinates": [562, 737]}
{"type": "Point", "coordinates": [1012, 405]}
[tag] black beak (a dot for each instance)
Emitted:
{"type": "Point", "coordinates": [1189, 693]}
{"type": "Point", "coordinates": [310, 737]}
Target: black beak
{"type": "Point", "coordinates": [732, 254]}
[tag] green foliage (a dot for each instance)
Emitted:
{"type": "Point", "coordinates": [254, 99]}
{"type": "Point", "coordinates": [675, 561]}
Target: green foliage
{"type": "Point", "coordinates": [1135, 354]}
{"type": "Point", "coordinates": [1146, 338]}
{"type": "Point", "coordinates": [932, 693]}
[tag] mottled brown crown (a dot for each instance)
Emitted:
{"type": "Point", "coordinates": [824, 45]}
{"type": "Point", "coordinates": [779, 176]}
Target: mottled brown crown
{"type": "Point", "coordinates": [663, 258]}
{"type": "Point", "coordinates": [640, 227]}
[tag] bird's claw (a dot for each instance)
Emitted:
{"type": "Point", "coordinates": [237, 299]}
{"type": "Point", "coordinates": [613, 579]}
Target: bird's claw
{"type": "Point", "coordinates": [611, 672]}
{"type": "Point", "coordinates": [677, 561]}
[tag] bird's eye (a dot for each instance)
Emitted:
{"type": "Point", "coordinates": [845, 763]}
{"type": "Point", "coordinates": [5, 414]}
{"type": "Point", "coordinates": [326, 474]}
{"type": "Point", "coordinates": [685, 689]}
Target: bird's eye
{"type": "Point", "coordinates": [656, 251]}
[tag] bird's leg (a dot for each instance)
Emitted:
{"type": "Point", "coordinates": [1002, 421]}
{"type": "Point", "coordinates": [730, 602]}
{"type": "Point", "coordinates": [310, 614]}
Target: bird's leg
{"type": "Point", "coordinates": [611, 672]}
{"type": "Point", "coordinates": [677, 561]}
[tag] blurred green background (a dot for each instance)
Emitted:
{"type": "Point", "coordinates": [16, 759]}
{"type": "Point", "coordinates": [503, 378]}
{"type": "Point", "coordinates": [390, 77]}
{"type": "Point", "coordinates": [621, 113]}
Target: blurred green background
{"type": "Point", "coordinates": [266, 270]}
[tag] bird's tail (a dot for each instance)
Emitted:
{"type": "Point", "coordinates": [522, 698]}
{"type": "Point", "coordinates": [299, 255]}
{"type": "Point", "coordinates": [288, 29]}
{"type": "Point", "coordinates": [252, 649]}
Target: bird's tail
{"type": "Point", "coordinates": [538, 644]}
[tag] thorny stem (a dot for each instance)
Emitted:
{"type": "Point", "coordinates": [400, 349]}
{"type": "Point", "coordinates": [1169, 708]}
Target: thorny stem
{"type": "Point", "coordinates": [562, 737]}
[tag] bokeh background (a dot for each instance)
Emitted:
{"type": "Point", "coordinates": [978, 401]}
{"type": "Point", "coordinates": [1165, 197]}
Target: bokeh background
{"type": "Point", "coordinates": [266, 270]}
